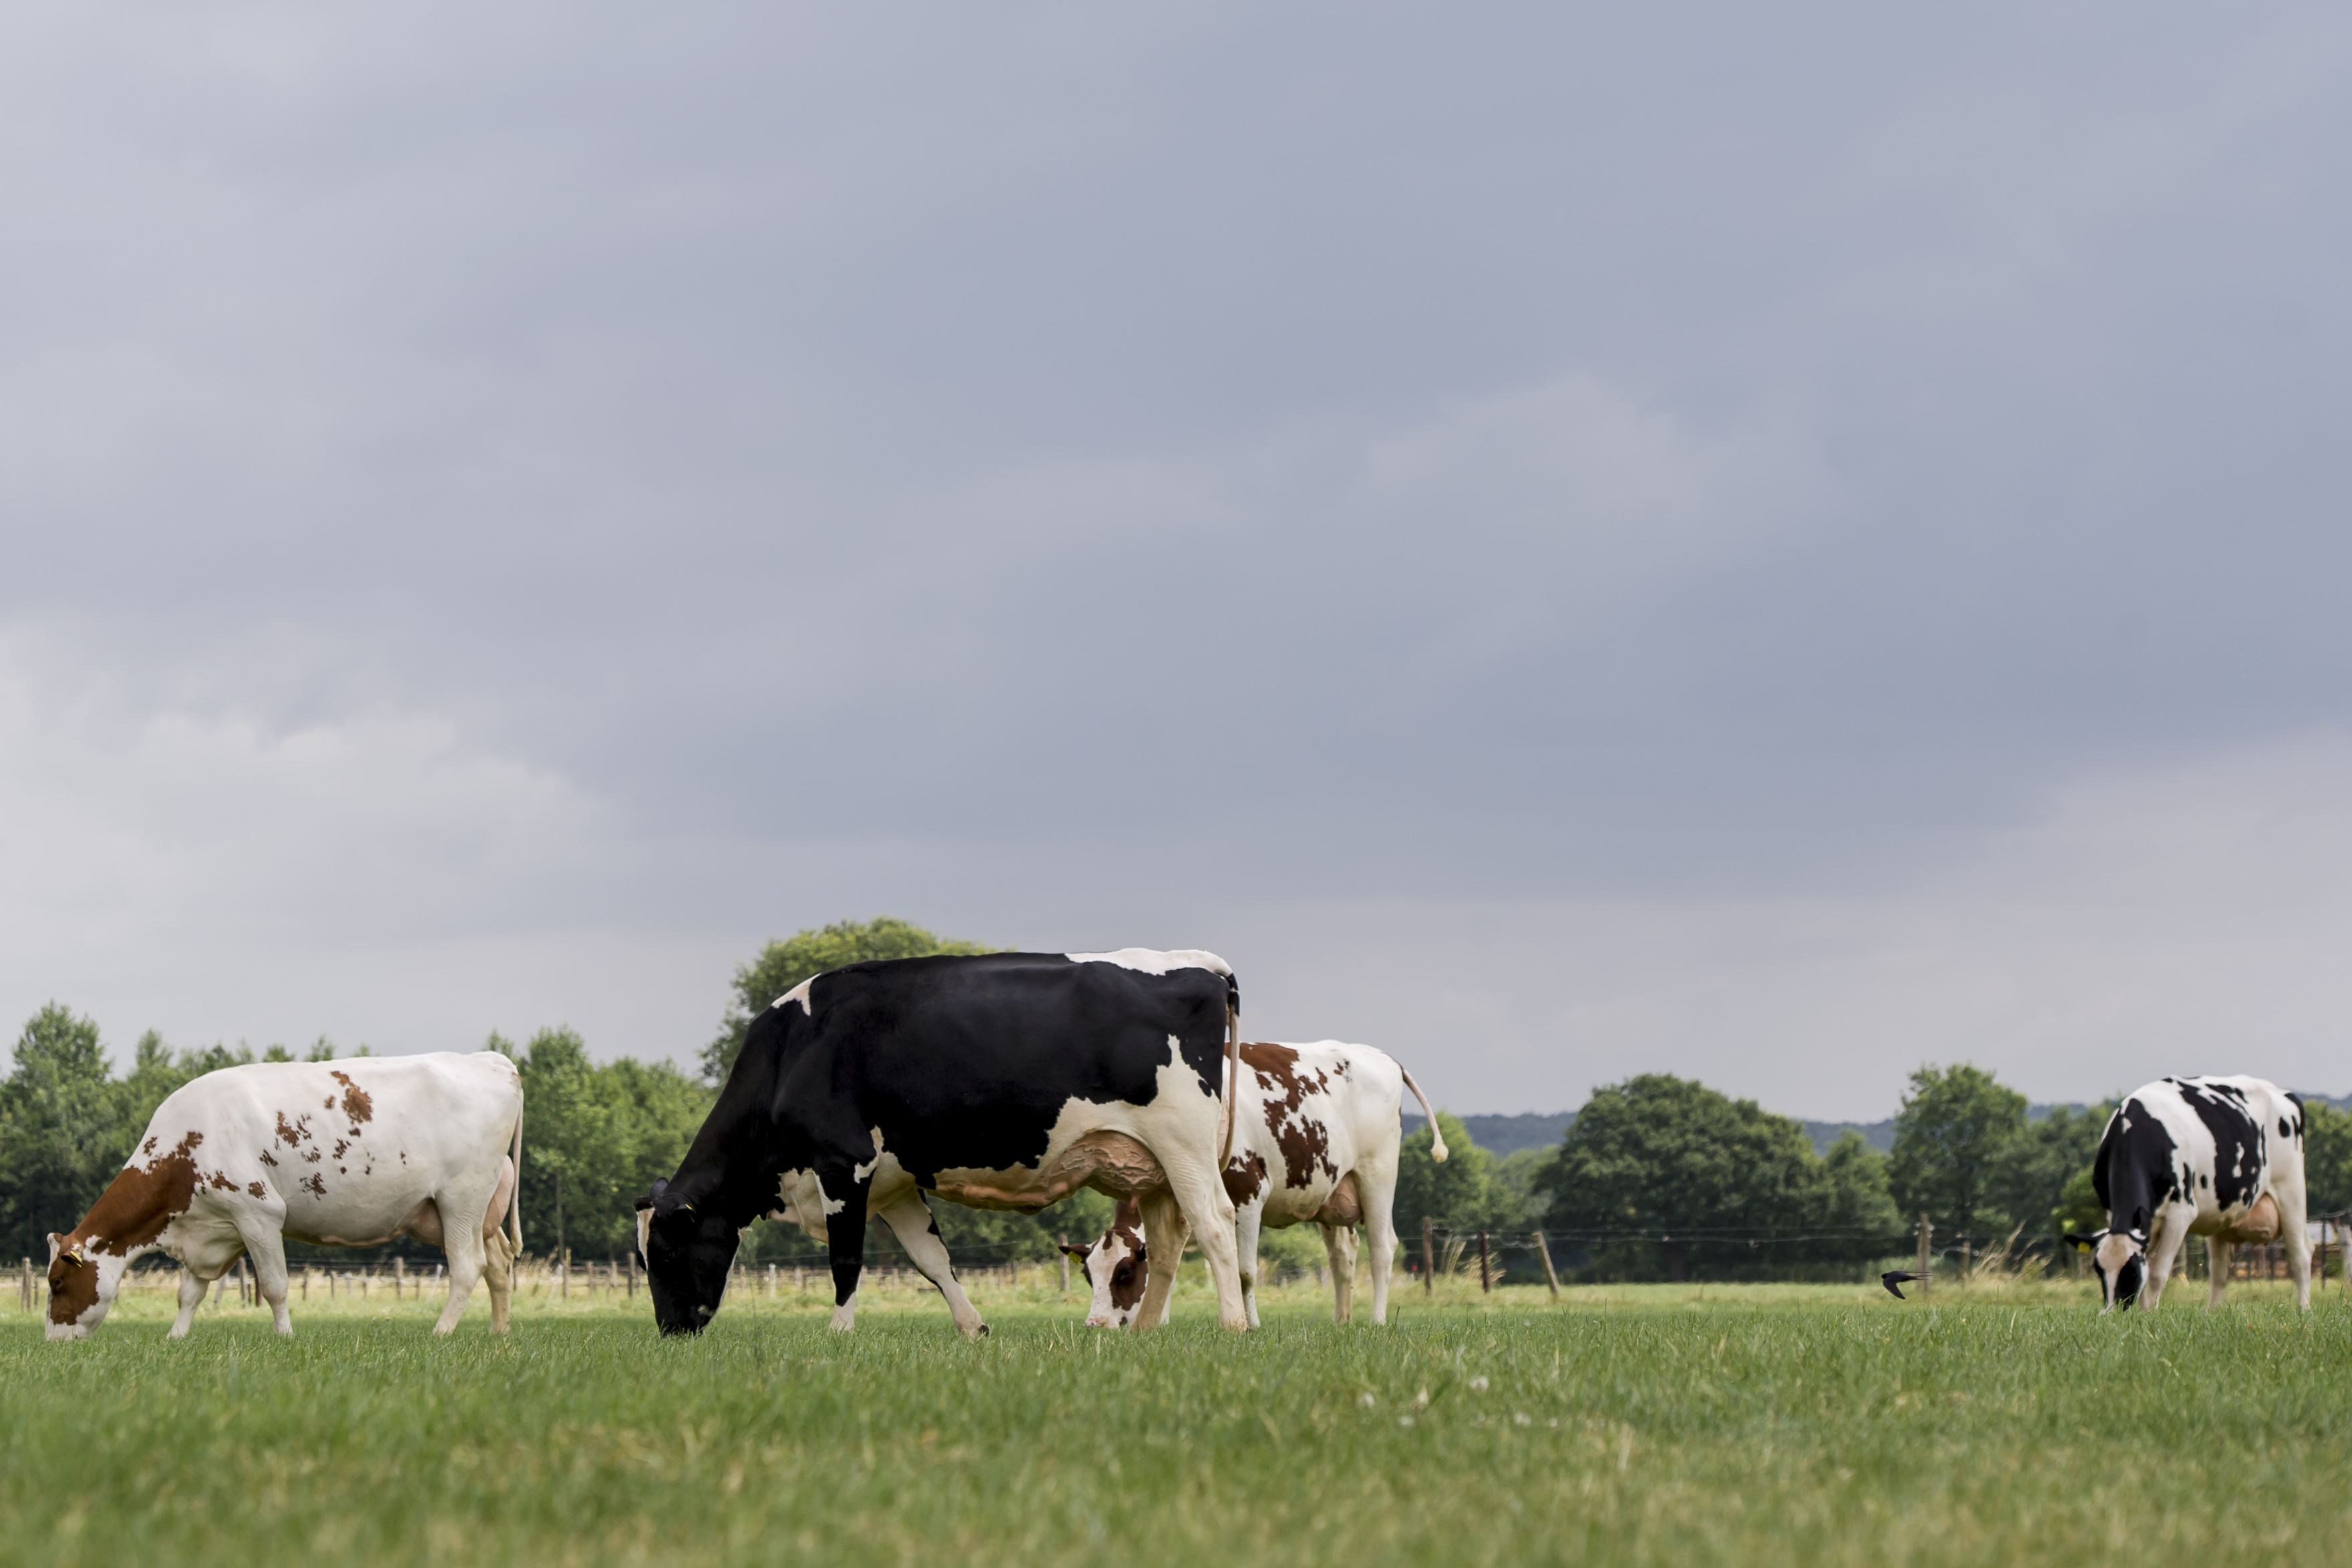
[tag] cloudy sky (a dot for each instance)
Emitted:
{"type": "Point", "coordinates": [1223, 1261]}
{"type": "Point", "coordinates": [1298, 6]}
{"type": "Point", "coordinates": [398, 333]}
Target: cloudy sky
{"type": "Point", "coordinates": [1769, 543]}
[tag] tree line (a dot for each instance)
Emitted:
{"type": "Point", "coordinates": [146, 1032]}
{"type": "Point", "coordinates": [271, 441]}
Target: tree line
{"type": "Point", "coordinates": [1657, 1177]}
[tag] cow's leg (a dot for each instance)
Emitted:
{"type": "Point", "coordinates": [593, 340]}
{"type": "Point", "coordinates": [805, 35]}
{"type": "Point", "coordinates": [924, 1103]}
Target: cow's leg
{"type": "Point", "coordinates": [268, 1250]}
{"type": "Point", "coordinates": [2217, 1264]}
{"type": "Point", "coordinates": [845, 1234]}
{"type": "Point", "coordinates": [192, 1296]}
{"type": "Point", "coordinates": [497, 1269]}
{"type": "Point", "coordinates": [909, 1218]}
{"type": "Point", "coordinates": [2165, 1237]}
{"type": "Point", "coordinates": [463, 1246]}
{"type": "Point", "coordinates": [1340, 1243]}
{"type": "Point", "coordinates": [1248, 1220]}
{"type": "Point", "coordinates": [498, 1249]}
{"type": "Point", "coordinates": [1377, 1193]}
{"type": "Point", "coordinates": [1163, 1253]}
{"type": "Point", "coordinates": [1200, 1197]}
{"type": "Point", "coordinates": [2294, 1230]}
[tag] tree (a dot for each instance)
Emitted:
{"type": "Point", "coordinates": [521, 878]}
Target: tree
{"type": "Point", "coordinates": [784, 965]}
{"type": "Point", "coordinates": [2327, 1158]}
{"type": "Point", "coordinates": [61, 1133]}
{"type": "Point", "coordinates": [1951, 1139]}
{"type": "Point", "coordinates": [1859, 1200]}
{"type": "Point", "coordinates": [2031, 1176]}
{"type": "Point", "coordinates": [1461, 1195]}
{"type": "Point", "coordinates": [1667, 1157]}
{"type": "Point", "coordinates": [593, 1139]}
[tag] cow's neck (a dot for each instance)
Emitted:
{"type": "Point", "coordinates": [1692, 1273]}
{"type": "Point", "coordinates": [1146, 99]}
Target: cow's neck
{"type": "Point", "coordinates": [130, 1215]}
{"type": "Point", "coordinates": [726, 1166]}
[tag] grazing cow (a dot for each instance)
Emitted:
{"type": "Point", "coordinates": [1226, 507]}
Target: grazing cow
{"type": "Point", "coordinates": [2216, 1157]}
{"type": "Point", "coordinates": [1315, 1131]}
{"type": "Point", "coordinates": [335, 1153]}
{"type": "Point", "coordinates": [1007, 1081]}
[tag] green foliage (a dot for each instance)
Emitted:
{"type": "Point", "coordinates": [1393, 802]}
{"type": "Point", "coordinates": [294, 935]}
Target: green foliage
{"type": "Point", "coordinates": [595, 1137]}
{"type": "Point", "coordinates": [784, 965]}
{"type": "Point", "coordinates": [1462, 1195]}
{"type": "Point", "coordinates": [2031, 1178]}
{"type": "Point", "coordinates": [1954, 1142]}
{"type": "Point", "coordinates": [2327, 1158]}
{"type": "Point", "coordinates": [61, 1133]}
{"type": "Point", "coordinates": [1669, 1157]}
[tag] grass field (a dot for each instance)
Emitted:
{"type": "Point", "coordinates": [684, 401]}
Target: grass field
{"type": "Point", "coordinates": [1668, 1424]}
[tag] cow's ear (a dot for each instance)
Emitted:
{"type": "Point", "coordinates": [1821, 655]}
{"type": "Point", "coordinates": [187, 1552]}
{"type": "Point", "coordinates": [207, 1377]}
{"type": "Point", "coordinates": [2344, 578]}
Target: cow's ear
{"type": "Point", "coordinates": [1078, 1252]}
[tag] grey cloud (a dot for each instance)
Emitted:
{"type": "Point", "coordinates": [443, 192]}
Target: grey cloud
{"type": "Point", "coordinates": [1068, 469]}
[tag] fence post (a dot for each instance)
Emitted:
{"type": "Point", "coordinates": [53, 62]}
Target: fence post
{"type": "Point", "coordinates": [1551, 1278]}
{"type": "Point", "coordinates": [25, 1286]}
{"type": "Point", "coordinates": [1967, 1252]}
{"type": "Point", "coordinates": [633, 1271]}
{"type": "Point", "coordinates": [1428, 1255]}
{"type": "Point", "coordinates": [1061, 1241]}
{"type": "Point", "coordinates": [1484, 1283]}
{"type": "Point", "coordinates": [1927, 1238]}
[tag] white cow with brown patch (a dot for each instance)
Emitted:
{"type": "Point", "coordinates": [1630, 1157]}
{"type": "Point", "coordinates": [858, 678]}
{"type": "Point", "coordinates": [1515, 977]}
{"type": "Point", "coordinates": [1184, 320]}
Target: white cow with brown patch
{"type": "Point", "coordinates": [345, 1153]}
{"type": "Point", "coordinates": [1315, 1133]}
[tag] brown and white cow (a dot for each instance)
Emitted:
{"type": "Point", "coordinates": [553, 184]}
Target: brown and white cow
{"type": "Point", "coordinates": [1315, 1133]}
{"type": "Point", "coordinates": [347, 1154]}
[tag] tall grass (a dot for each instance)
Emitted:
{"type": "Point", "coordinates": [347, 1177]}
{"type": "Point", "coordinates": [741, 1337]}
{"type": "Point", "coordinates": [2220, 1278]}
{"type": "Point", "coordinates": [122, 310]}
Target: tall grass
{"type": "Point", "coordinates": [1638, 1424]}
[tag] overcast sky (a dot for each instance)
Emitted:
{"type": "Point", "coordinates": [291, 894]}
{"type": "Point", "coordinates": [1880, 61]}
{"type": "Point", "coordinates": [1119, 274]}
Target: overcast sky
{"type": "Point", "coordinates": [1768, 543]}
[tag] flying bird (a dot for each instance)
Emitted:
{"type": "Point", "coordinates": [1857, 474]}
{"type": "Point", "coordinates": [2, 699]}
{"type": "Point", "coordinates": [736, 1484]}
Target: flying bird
{"type": "Point", "coordinates": [1893, 1279]}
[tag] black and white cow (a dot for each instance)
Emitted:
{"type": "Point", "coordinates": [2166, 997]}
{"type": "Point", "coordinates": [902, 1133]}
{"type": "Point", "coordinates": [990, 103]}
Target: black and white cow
{"type": "Point", "coordinates": [1316, 1135]}
{"type": "Point", "coordinates": [345, 1153]}
{"type": "Point", "coordinates": [2216, 1157]}
{"type": "Point", "coordinates": [1008, 1082]}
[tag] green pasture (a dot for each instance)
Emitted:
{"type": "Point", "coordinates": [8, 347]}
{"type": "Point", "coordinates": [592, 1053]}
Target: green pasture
{"type": "Point", "coordinates": [1754, 1424]}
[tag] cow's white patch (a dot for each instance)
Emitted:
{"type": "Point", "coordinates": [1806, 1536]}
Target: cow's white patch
{"type": "Point", "coordinates": [799, 993]}
{"type": "Point", "coordinates": [1152, 961]}
{"type": "Point", "coordinates": [645, 1230]}
{"type": "Point", "coordinates": [866, 1171]}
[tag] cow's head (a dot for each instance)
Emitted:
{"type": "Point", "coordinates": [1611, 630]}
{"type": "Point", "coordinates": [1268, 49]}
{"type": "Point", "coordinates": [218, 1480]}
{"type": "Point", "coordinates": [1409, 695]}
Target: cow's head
{"type": "Point", "coordinates": [687, 1257]}
{"type": "Point", "coordinates": [1116, 1268]}
{"type": "Point", "coordinates": [2119, 1258]}
{"type": "Point", "coordinates": [84, 1275]}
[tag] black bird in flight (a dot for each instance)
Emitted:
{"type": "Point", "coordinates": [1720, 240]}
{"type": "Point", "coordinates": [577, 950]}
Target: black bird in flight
{"type": "Point", "coordinates": [1893, 1279]}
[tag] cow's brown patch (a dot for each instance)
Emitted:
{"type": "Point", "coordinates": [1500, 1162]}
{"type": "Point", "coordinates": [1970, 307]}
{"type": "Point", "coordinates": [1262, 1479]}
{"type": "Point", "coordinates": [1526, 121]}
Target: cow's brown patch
{"type": "Point", "coordinates": [221, 1180]}
{"type": "Point", "coordinates": [1304, 1140]}
{"type": "Point", "coordinates": [291, 1133]}
{"type": "Point", "coordinates": [1130, 1275]}
{"type": "Point", "coordinates": [342, 1144]}
{"type": "Point", "coordinates": [256, 1188]}
{"type": "Point", "coordinates": [268, 1158]}
{"type": "Point", "coordinates": [318, 1188]}
{"type": "Point", "coordinates": [356, 1103]}
{"type": "Point", "coordinates": [1245, 1178]}
{"type": "Point", "coordinates": [131, 1212]}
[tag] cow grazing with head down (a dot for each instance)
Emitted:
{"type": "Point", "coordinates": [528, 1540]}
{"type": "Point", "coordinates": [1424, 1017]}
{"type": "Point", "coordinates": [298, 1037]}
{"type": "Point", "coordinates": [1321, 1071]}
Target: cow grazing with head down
{"type": "Point", "coordinates": [2216, 1157]}
{"type": "Point", "coordinates": [1315, 1133]}
{"type": "Point", "coordinates": [337, 1154]}
{"type": "Point", "coordinates": [1007, 1081]}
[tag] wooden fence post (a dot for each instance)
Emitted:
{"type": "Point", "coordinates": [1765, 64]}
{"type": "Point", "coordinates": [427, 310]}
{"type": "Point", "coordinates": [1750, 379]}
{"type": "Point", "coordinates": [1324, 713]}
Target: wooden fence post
{"type": "Point", "coordinates": [1428, 1255]}
{"type": "Point", "coordinates": [1551, 1278]}
{"type": "Point", "coordinates": [1064, 1241]}
{"type": "Point", "coordinates": [1484, 1283]}
{"type": "Point", "coordinates": [633, 1271]}
{"type": "Point", "coordinates": [1927, 1238]}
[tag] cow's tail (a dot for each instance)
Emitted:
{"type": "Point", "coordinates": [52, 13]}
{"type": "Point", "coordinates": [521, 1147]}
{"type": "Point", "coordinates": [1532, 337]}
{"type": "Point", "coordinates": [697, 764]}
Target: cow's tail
{"type": "Point", "coordinates": [1436, 1135]}
{"type": "Point", "coordinates": [514, 1209]}
{"type": "Point", "coordinates": [1232, 1071]}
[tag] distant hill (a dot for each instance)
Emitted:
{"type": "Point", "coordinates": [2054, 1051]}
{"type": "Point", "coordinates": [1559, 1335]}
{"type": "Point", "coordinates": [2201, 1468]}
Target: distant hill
{"type": "Point", "coordinates": [1508, 1134]}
